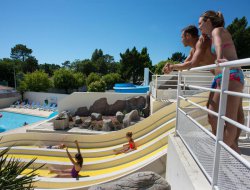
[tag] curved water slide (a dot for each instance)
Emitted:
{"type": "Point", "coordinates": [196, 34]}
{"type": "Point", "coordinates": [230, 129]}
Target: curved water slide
{"type": "Point", "coordinates": [100, 163]}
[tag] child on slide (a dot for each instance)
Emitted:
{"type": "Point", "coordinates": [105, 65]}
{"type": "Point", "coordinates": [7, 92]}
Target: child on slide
{"type": "Point", "coordinates": [127, 147]}
{"type": "Point", "coordinates": [77, 165]}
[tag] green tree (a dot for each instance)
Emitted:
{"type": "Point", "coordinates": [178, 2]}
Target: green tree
{"type": "Point", "coordinates": [97, 54]}
{"type": "Point", "coordinates": [65, 79]}
{"type": "Point", "coordinates": [178, 56]}
{"type": "Point", "coordinates": [80, 80]}
{"type": "Point", "coordinates": [22, 88]}
{"type": "Point", "coordinates": [97, 86]}
{"type": "Point", "coordinates": [132, 64]}
{"type": "Point", "coordinates": [85, 66]}
{"type": "Point", "coordinates": [92, 78]}
{"type": "Point", "coordinates": [66, 64]}
{"type": "Point", "coordinates": [111, 79]}
{"type": "Point", "coordinates": [20, 52]}
{"type": "Point", "coordinates": [11, 173]}
{"type": "Point", "coordinates": [37, 81]}
{"type": "Point", "coordinates": [49, 68]}
{"type": "Point", "coordinates": [241, 36]}
{"type": "Point", "coordinates": [30, 65]}
{"type": "Point", "coordinates": [7, 71]}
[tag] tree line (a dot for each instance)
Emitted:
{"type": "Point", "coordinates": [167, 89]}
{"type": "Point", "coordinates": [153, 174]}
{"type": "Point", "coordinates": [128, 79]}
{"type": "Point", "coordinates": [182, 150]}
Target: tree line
{"type": "Point", "coordinates": [101, 71]}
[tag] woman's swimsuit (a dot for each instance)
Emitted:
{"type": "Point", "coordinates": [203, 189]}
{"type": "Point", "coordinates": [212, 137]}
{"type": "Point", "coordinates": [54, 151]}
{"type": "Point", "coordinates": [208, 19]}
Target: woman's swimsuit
{"type": "Point", "coordinates": [74, 173]}
{"type": "Point", "coordinates": [235, 74]}
{"type": "Point", "coordinates": [131, 145]}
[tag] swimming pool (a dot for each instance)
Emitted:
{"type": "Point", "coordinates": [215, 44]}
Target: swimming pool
{"type": "Point", "coordinates": [10, 120]}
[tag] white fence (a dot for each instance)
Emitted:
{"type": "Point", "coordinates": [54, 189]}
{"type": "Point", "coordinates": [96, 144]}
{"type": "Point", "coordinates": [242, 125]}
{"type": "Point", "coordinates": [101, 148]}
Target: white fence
{"type": "Point", "coordinates": [164, 87]}
{"type": "Point", "coordinates": [224, 168]}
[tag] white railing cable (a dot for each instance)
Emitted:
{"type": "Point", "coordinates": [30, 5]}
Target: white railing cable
{"type": "Point", "coordinates": [178, 100]}
{"type": "Point", "coordinates": [238, 63]}
{"type": "Point", "coordinates": [199, 106]}
{"type": "Point", "coordinates": [239, 94]}
{"type": "Point", "coordinates": [235, 123]}
{"type": "Point", "coordinates": [201, 88]}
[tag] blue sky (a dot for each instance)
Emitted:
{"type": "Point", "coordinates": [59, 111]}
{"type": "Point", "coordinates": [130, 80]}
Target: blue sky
{"type": "Point", "coordinates": [60, 30]}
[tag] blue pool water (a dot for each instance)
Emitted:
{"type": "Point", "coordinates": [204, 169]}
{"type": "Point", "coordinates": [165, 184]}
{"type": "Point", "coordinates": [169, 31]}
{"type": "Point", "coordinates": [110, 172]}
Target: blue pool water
{"type": "Point", "coordinates": [11, 120]}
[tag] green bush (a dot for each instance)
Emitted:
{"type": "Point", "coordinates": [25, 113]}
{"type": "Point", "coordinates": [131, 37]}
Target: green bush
{"type": "Point", "coordinates": [92, 78]}
{"type": "Point", "coordinates": [37, 81]}
{"type": "Point", "coordinates": [80, 79]}
{"type": "Point", "coordinates": [64, 79]}
{"type": "Point", "coordinates": [111, 79]}
{"type": "Point", "coordinates": [97, 86]}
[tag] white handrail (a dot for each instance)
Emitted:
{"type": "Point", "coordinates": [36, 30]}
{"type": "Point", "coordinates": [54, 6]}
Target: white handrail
{"type": "Point", "coordinates": [224, 92]}
{"type": "Point", "coordinates": [237, 63]}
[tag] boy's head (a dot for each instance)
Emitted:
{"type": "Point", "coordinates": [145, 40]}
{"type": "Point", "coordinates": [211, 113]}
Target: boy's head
{"type": "Point", "coordinates": [188, 34]}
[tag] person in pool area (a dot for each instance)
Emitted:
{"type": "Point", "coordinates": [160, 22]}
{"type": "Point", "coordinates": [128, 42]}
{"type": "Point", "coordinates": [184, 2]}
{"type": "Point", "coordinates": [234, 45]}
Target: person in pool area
{"type": "Point", "coordinates": [212, 24]}
{"type": "Point", "coordinates": [60, 146]}
{"type": "Point", "coordinates": [77, 165]}
{"type": "Point", "coordinates": [127, 147]}
{"type": "Point", "coordinates": [199, 55]}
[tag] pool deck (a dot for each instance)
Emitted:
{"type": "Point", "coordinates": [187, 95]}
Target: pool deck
{"type": "Point", "coordinates": [27, 111]}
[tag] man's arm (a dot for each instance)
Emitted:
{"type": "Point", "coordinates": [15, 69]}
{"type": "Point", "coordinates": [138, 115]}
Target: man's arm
{"type": "Point", "coordinates": [194, 62]}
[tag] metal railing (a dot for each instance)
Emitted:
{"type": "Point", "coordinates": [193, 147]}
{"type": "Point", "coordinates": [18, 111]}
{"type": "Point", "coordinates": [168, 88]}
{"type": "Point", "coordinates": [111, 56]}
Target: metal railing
{"type": "Point", "coordinates": [164, 87]}
{"type": "Point", "coordinates": [223, 167]}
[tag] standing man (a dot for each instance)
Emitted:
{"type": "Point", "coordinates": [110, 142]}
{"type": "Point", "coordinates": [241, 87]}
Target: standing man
{"type": "Point", "coordinates": [200, 53]}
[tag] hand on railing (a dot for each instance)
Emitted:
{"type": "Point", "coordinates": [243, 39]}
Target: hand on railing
{"type": "Point", "coordinates": [168, 68]}
{"type": "Point", "coordinates": [220, 61]}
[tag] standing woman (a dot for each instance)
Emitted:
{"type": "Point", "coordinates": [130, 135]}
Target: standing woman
{"type": "Point", "coordinates": [212, 23]}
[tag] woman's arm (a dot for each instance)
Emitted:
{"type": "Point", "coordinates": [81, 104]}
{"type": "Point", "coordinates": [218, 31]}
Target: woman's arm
{"type": "Point", "coordinates": [77, 145]}
{"type": "Point", "coordinates": [70, 157]}
{"type": "Point", "coordinates": [217, 41]}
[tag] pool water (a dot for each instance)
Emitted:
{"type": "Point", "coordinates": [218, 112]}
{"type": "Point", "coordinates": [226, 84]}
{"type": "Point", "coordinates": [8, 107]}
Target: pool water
{"type": "Point", "coordinates": [11, 120]}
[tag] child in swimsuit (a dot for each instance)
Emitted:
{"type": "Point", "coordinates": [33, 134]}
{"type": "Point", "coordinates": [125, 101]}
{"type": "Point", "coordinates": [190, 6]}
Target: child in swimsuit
{"type": "Point", "coordinates": [77, 165]}
{"type": "Point", "coordinates": [127, 147]}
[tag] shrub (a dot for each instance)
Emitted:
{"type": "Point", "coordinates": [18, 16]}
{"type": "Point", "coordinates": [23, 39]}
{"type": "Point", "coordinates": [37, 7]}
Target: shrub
{"type": "Point", "coordinates": [36, 81]}
{"type": "Point", "coordinates": [97, 86]}
{"type": "Point", "coordinates": [93, 77]}
{"type": "Point", "coordinates": [111, 79]}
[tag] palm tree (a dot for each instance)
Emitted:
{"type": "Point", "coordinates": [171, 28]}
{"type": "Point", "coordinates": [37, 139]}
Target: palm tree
{"type": "Point", "coordinates": [11, 170]}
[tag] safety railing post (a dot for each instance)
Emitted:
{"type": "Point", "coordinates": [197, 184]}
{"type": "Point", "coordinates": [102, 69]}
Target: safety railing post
{"type": "Point", "coordinates": [178, 100]}
{"type": "Point", "coordinates": [248, 111]}
{"type": "Point", "coordinates": [220, 125]}
{"type": "Point", "coordinates": [156, 86]}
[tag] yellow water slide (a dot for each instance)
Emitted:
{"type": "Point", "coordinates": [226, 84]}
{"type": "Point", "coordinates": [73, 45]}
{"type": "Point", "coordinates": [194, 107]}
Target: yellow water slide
{"type": "Point", "coordinates": [100, 163]}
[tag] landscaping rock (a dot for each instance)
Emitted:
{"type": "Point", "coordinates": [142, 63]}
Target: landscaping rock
{"type": "Point", "coordinates": [119, 105]}
{"type": "Point", "coordinates": [86, 124]}
{"type": "Point", "coordinates": [132, 116]}
{"type": "Point", "coordinates": [100, 106]}
{"type": "Point", "coordinates": [96, 116]}
{"type": "Point", "coordinates": [119, 116]}
{"type": "Point", "coordinates": [107, 125]}
{"type": "Point", "coordinates": [136, 103]}
{"type": "Point", "coordinates": [78, 120]}
{"type": "Point", "coordinates": [137, 181]}
{"type": "Point", "coordinates": [82, 111]}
